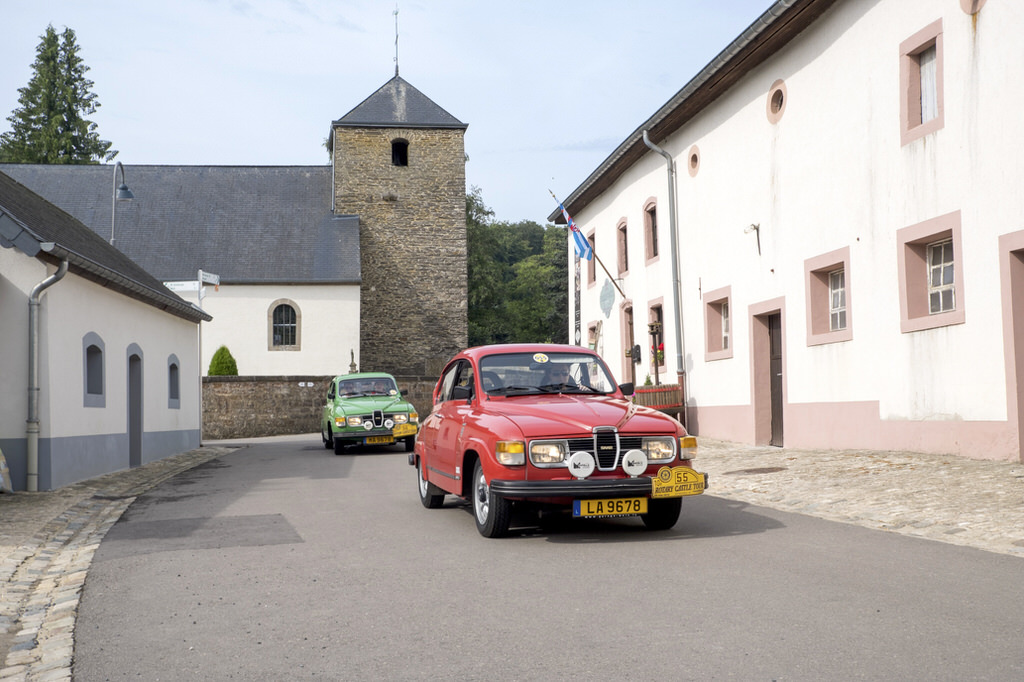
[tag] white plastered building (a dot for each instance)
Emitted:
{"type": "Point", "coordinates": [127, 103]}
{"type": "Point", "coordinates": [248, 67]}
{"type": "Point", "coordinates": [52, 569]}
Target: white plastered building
{"type": "Point", "coordinates": [849, 230]}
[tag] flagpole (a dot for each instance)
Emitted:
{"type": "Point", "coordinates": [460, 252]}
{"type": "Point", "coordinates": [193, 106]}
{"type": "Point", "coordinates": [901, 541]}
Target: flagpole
{"type": "Point", "coordinates": [593, 251]}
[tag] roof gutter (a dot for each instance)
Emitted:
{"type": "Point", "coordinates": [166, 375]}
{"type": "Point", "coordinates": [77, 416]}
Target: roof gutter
{"type": "Point", "coordinates": [676, 285]}
{"type": "Point", "coordinates": [32, 424]}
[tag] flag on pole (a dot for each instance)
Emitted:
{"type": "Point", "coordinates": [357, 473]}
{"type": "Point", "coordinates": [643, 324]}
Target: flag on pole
{"type": "Point", "coordinates": [583, 249]}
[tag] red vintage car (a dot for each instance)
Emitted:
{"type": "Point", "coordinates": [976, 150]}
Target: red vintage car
{"type": "Point", "coordinates": [545, 425]}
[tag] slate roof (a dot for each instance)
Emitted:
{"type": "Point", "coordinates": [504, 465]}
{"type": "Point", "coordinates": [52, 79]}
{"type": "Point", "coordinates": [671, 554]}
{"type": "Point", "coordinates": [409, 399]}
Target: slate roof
{"type": "Point", "coordinates": [397, 104]}
{"type": "Point", "coordinates": [40, 229]}
{"type": "Point", "coordinates": [247, 224]}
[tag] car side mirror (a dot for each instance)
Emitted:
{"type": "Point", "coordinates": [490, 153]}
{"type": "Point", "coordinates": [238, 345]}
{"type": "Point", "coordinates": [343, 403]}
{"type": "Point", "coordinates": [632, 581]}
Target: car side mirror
{"type": "Point", "coordinates": [462, 393]}
{"type": "Point", "coordinates": [627, 389]}
{"type": "Point", "coordinates": [403, 392]}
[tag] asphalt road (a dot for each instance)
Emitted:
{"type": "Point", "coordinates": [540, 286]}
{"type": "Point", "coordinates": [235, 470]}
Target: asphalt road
{"type": "Point", "coordinates": [282, 561]}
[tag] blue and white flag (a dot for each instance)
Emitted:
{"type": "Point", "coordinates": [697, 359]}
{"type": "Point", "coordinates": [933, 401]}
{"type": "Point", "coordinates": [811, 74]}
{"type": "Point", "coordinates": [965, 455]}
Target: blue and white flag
{"type": "Point", "coordinates": [582, 244]}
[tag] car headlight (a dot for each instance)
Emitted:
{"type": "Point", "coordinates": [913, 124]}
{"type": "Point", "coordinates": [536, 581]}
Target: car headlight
{"type": "Point", "coordinates": [354, 421]}
{"type": "Point", "coordinates": [510, 452]}
{"type": "Point", "coordinates": [549, 453]}
{"type": "Point", "coordinates": [658, 449]}
{"type": "Point", "coordinates": [401, 418]}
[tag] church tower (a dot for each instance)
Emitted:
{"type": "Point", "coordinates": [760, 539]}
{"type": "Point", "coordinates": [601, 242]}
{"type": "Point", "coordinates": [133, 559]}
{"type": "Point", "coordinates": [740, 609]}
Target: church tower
{"type": "Point", "coordinates": [399, 163]}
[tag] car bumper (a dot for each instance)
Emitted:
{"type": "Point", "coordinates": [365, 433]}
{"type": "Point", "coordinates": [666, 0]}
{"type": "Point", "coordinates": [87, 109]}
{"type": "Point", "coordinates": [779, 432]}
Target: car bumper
{"type": "Point", "coordinates": [579, 489]}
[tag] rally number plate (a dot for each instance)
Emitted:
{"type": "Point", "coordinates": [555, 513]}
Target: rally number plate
{"type": "Point", "coordinates": [627, 506]}
{"type": "Point", "coordinates": [379, 440]}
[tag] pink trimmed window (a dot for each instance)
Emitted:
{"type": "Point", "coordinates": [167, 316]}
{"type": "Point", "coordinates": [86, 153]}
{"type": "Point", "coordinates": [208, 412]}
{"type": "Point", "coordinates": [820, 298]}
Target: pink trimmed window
{"type": "Point", "coordinates": [718, 342]}
{"type": "Point", "coordinates": [622, 241]}
{"type": "Point", "coordinates": [921, 90]}
{"type": "Point", "coordinates": [827, 279]}
{"type": "Point", "coordinates": [651, 230]}
{"type": "Point", "coordinates": [930, 259]}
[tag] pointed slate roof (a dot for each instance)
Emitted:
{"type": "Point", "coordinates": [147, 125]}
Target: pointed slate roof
{"type": "Point", "coordinates": [41, 230]}
{"type": "Point", "coordinates": [247, 224]}
{"type": "Point", "coordinates": [397, 104]}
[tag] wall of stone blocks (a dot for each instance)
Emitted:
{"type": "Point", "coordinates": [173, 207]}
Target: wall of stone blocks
{"type": "Point", "coordinates": [256, 406]}
{"type": "Point", "coordinates": [412, 223]}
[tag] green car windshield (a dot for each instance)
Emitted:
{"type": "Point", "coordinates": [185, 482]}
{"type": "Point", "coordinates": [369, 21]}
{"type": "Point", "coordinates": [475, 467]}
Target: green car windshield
{"type": "Point", "coordinates": [532, 373]}
{"type": "Point", "coordinates": [358, 388]}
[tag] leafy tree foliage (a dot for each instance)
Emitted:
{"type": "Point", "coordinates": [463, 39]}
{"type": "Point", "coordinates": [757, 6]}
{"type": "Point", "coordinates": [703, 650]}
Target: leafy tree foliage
{"type": "Point", "coordinates": [518, 278]}
{"type": "Point", "coordinates": [50, 125]}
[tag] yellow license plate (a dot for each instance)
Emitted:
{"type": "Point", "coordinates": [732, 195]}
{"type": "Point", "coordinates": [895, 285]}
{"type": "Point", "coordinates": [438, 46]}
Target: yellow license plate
{"type": "Point", "coordinates": [405, 430]}
{"type": "Point", "coordinates": [677, 482]}
{"type": "Point", "coordinates": [379, 440]}
{"type": "Point", "coordinates": [624, 506]}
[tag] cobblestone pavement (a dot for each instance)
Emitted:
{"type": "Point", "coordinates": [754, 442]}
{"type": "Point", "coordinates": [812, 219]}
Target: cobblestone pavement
{"type": "Point", "coordinates": [47, 540]}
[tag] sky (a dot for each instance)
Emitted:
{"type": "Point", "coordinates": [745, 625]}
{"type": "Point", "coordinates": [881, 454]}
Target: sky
{"type": "Point", "coordinates": [548, 88]}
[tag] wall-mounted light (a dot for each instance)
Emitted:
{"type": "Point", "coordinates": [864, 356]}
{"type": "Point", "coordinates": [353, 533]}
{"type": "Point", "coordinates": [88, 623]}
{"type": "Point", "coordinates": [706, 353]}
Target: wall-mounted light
{"type": "Point", "coordinates": [756, 229]}
{"type": "Point", "coordinates": [121, 193]}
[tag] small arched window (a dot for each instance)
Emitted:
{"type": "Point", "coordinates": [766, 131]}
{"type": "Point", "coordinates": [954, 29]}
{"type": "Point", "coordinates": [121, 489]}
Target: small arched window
{"type": "Point", "coordinates": [400, 152]}
{"type": "Point", "coordinates": [92, 370]}
{"type": "Point", "coordinates": [173, 383]}
{"type": "Point", "coordinates": [284, 325]}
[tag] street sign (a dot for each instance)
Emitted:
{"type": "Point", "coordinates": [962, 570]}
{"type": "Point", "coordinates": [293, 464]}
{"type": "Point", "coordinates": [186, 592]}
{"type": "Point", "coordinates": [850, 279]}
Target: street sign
{"type": "Point", "coordinates": [209, 278]}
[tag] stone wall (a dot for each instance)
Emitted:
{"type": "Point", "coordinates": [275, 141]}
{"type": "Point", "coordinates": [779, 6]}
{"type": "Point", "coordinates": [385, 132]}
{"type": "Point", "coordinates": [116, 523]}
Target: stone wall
{"type": "Point", "coordinates": [412, 226]}
{"type": "Point", "coordinates": [254, 406]}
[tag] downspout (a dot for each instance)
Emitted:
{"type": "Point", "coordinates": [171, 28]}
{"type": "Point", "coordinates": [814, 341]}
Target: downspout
{"type": "Point", "coordinates": [32, 428]}
{"type": "Point", "coordinates": [676, 309]}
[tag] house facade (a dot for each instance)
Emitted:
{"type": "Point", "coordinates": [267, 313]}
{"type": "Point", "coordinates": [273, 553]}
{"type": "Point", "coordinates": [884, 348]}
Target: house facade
{"type": "Point", "coordinates": [826, 222]}
{"type": "Point", "coordinates": [100, 368]}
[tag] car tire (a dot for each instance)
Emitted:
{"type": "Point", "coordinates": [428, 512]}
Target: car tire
{"type": "Point", "coordinates": [339, 446]}
{"type": "Point", "coordinates": [662, 514]}
{"type": "Point", "coordinates": [328, 439]}
{"type": "Point", "coordinates": [410, 444]}
{"type": "Point", "coordinates": [431, 496]}
{"type": "Point", "coordinates": [491, 512]}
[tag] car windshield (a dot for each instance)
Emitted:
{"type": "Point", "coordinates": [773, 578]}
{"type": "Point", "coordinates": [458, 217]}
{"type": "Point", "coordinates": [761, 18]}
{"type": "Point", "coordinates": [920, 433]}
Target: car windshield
{"type": "Point", "coordinates": [356, 388]}
{"type": "Point", "coordinates": [532, 373]}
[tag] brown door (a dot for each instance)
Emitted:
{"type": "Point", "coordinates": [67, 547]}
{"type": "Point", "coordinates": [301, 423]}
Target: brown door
{"type": "Point", "coordinates": [775, 381]}
{"type": "Point", "coordinates": [630, 344]}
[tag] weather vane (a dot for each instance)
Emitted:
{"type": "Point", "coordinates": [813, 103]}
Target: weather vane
{"type": "Point", "coordinates": [396, 39]}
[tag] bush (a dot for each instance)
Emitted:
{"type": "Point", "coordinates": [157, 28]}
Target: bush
{"type": "Point", "coordinates": [223, 364]}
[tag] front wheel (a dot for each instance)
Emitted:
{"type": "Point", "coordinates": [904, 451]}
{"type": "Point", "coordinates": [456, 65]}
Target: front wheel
{"type": "Point", "coordinates": [662, 514]}
{"type": "Point", "coordinates": [327, 438]}
{"type": "Point", "coordinates": [431, 496]}
{"type": "Point", "coordinates": [410, 444]}
{"type": "Point", "coordinates": [491, 512]}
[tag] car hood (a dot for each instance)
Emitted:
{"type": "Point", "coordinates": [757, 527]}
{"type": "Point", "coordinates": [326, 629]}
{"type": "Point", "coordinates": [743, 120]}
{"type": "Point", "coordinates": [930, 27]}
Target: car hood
{"type": "Point", "coordinates": [375, 402]}
{"type": "Point", "coordinates": [576, 414]}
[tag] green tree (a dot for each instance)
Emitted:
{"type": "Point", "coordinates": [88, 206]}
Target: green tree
{"type": "Point", "coordinates": [517, 279]}
{"type": "Point", "coordinates": [222, 364]}
{"type": "Point", "coordinates": [50, 126]}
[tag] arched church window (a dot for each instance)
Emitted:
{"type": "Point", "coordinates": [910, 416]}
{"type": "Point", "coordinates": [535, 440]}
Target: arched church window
{"type": "Point", "coordinates": [285, 324]}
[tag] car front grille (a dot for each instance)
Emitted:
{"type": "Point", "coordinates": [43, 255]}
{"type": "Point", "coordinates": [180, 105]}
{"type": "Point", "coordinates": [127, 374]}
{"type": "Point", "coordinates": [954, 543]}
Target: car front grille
{"type": "Point", "coordinates": [377, 418]}
{"type": "Point", "coordinates": [606, 446]}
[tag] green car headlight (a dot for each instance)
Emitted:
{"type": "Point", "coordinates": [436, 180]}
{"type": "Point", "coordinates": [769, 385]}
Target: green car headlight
{"type": "Point", "coordinates": [658, 449]}
{"type": "Point", "coordinates": [549, 453]}
{"type": "Point", "coordinates": [401, 418]}
{"type": "Point", "coordinates": [354, 421]}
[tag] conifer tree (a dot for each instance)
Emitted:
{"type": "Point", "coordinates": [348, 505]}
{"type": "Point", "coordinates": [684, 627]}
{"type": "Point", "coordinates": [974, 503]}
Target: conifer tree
{"type": "Point", "coordinates": [50, 126]}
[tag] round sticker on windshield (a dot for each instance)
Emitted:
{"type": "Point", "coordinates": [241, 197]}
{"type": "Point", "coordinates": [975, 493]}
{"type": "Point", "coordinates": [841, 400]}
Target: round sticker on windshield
{"type": "Point", "coordinates": [540, 357]}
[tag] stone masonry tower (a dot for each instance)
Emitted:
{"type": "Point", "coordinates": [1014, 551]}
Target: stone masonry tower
{"type": "Point", "coordinates": [400, 165]}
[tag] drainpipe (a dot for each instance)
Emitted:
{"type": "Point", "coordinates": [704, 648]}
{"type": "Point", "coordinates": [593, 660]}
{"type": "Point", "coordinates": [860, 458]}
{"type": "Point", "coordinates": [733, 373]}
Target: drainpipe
{"type": "Point", "coordinates": [32, 428]}
{"type": "Point", "coordinates": [680, 352]}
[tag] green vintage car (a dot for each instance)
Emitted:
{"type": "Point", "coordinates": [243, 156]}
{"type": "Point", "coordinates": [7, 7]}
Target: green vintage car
{"type": "Point", "coordinates": [367, 409]}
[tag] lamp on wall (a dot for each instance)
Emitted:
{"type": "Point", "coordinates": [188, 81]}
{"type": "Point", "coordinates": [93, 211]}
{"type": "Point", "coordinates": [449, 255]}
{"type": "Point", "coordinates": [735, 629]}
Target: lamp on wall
{"type": "Point", "coordinates": [120, 193]}
{"type": "Point", "coordinates": [756, 229]}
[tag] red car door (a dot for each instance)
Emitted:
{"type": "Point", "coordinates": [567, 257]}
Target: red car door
{"type": "Point", "coordinates": [452, 414]}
